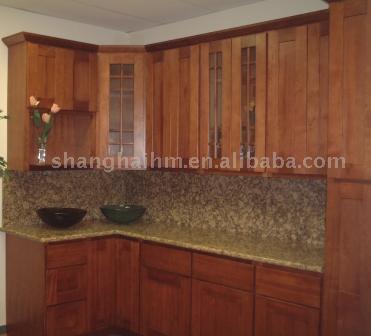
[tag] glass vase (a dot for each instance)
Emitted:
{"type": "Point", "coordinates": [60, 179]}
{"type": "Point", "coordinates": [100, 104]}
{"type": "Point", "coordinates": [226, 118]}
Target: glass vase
{"type": "Point", "coordinates": [41, 155]}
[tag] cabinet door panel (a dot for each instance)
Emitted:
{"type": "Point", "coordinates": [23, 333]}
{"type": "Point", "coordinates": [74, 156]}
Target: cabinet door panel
{"type": "Point", "coordinates": [217, 127]}
{"type": "Point", "coordinates": [249, 95]}
{"type": "Point", "coordinates": [84, 81]}
{"type": "Point", "coordinates": [121, 121]}
{"type": "Point", "coordinates": [127, 285]}
{"type": "Point", "coordinates": [297, 108]}
{"type": "Point", "coordinates": [67, 319]}
{"type": "Point", "coordinates": [220, 311]}
{"type": "Point", "coordinates": [350, 88]}
{"type": "Point", "coordinates": [275, 318]}
{"type": "Point", "coordinates": [347, 300]}
{"type": "Point", "coordinates": [64, 78]}
{"type": "Point", "coordinates": [66, 285]}
{"type": "Point", "coordinates": [165, 303]}
{"type": "Point", "coordinates": [173, 109]}
{"type": "Point", "coordinates": [102, 283]}
{"type": "Point", "coordinates": [41, 74]}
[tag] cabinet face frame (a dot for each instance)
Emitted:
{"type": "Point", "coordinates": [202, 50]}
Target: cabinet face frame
{"type": "Point", "coordinates": [104, 62]}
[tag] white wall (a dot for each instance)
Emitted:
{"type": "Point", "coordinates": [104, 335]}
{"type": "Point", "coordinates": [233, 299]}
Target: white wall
{"type": "Point", "coordinates": [235, 17]}
{"type": "Point", "coordinates": [13, 21]}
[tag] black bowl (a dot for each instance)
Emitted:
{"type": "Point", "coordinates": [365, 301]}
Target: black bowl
{"type": "Point", "coordinates": [123, 214]}
{"type": "Point", "coordinates": [61, 217]}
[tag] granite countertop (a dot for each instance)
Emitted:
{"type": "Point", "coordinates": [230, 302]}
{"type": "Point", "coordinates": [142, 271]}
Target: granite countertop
{"type": "Point", "coordinates": [276, 252]}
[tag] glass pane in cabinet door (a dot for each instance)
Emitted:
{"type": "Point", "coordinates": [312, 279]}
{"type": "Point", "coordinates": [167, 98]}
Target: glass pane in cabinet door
{"type": "Point", "coordinates": [248, 102]}
{"type": "Point", "coordinates": [128, 110]}
{"type": "Point", "coordinates": [128, 70]}
{"type": "Point", "coordinates": [219, 106]}
{"type": "Point", "coordinates": [115, 111]}
{"type": "Point", "coordinates": [128, 150]}
{"type": "Point", "coordinates": [114, 137]}
{"type": "Point", "coordinates": [212, 96]}
{"type": "Point", "coordinates": [115, 70]}
{"type": "Point", "coordinates": [113, 150]}
{"type": "Point", "coordinates": [115, 85]}
{"type": "Point", "coordinates": [128, 137]}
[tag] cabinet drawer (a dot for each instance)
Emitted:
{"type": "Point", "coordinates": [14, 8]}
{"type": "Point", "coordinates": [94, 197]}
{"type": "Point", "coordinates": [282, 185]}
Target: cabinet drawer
{"type": "Point", "coordinates": [68, 254]}
{"type": "Point", "coordinates": [67, 319]}
{"type": "Point", "coordinates": [66, 285]}
{"type": "Point", "coordinates": [223, 271]}
{"type": "Point", "coordinates": [290, 286]}
{"type": "Point", "coordinates": [166, 259]}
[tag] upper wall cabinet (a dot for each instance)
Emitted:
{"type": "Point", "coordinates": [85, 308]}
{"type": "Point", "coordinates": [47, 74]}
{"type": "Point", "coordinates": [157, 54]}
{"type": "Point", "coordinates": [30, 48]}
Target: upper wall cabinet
{"type": "Point", "coordinates": [62, 75]}
{"type": "Point", "coordinates": [298, 96]}
{"type": "Point", "coordinates": [172, 125]}
{"type": "Point", "coordinates": [54, 71]}
{"type": "Point", "coordinates": [121, 121]}
{"type": "Point", "coordinates": [350, 88]}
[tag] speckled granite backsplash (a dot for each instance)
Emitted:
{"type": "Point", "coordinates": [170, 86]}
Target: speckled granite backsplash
{"type": "Point", "coordinates": [269, 207]}
{"type": "Point", "coordinates": [26, 192]}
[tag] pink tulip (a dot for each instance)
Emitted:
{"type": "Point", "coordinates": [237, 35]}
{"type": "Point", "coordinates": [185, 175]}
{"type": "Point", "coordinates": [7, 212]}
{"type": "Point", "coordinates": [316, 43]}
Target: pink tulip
{"type": "Point", "coordinates": [46, 118]}
{"type": "Point", "coordinates": [34, 102]}
{"type": "Point", "coordinates": [55, 108]}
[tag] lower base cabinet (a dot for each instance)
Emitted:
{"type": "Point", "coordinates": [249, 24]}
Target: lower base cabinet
{"type": "Point", "coordinates": [165, 303]}
{"type": "Point", "coordinates": [219, 311]}
{"type": "Point", "coordinates": [276, 318]}
{"type": "Point", "coordinates": [120, 286]}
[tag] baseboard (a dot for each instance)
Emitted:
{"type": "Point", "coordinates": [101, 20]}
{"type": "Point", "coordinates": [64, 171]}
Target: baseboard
{"type": "Point", "coordinates": [2, 329]}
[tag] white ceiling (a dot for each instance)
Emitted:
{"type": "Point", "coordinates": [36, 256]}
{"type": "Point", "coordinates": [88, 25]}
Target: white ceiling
{"type": "Point", "coordinates": [125, 15]}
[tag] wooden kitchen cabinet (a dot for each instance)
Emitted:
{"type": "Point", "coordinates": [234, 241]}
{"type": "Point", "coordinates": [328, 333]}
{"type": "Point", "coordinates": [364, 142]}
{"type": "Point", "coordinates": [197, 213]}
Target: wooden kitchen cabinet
{"type": "Point", "coordinates": [173, 111]}
{"type": "Point", "coordinates": [297, 104]}
{"type": "Point", "coordinates": [165, 303]}
{"type": "Point", "coordinates": [127, 284]}
{"type": "Point", "coordinates": [63, 76]}
{"type": "Point", "coordinates": [350, 87]}
{"type": "Point", "coordinates": [278, 318]}
{"type": "Point", "coordinates": [347, 297]}
{"type": "Point", "coordinates": [218, 310]}
{"type": "Point", "coordinates": [102, 298]}
{"type": "Point", "coordinates": [121, 120]}
{"type": "Point", "coordinates": [165, 291]}
{"type": "Point", "coordinates": [54, 71]}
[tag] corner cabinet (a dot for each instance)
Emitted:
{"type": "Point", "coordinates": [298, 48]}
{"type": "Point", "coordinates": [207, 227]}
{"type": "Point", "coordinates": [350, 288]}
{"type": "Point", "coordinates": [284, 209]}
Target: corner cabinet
{"type": "Point", "coordinates": [54, 71]}
{"type": "Point", "coordinates": [121, 120]}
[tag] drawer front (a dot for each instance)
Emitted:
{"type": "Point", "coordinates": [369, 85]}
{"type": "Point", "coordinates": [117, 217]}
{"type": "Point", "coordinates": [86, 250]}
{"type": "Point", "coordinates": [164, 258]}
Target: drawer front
{"type": "Point", "coordinates": [67, 254]}
{"type": "Point", "coordinates": [66, 285]}
{"type": "Point", "coordinates": [223, 271]}
{"type": "Point", "coordinates": [67, 319]}
{"type": "Point", "coordinates": [166, 259]}
{"type": "Point", "coordinates": [290, 286]}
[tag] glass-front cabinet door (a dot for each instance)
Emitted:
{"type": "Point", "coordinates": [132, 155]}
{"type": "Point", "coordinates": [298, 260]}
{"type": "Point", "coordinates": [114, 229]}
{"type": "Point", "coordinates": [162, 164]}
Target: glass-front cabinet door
{"type": "Point", "coordinates": [217, 127]}
{"type": "Point", "coordinates": [233, 102]}
{"type": "Point", "coordinates": [121, 115]}
{"type": "Point", "coordinates": [249, 69]}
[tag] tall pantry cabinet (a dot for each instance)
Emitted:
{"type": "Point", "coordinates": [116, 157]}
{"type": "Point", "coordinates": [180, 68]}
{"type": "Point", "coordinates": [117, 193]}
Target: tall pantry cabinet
{"type": "Point", "coordinates": [347, 300]}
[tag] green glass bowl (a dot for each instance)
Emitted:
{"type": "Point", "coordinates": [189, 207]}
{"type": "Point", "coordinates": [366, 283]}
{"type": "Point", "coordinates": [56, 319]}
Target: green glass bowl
{"type": "Point", "coordinates": [123, 214]}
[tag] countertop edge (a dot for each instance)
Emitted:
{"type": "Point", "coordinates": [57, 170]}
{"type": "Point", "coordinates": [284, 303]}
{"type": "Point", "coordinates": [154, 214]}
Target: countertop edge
{"type": "Point", "coordinates": [170, 242]}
